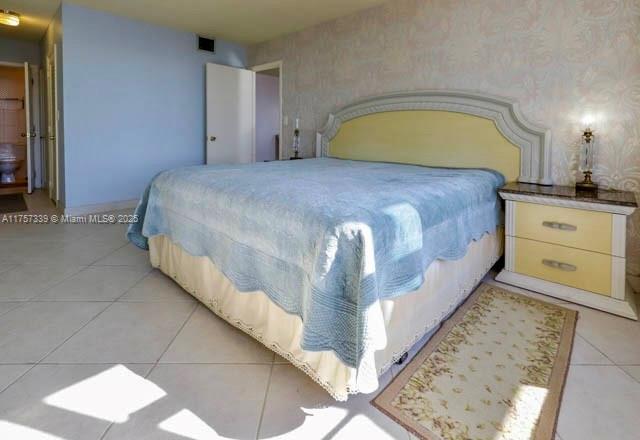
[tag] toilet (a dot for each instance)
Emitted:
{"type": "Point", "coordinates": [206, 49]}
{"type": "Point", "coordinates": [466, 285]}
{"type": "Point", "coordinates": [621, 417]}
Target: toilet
{"type": "Point", "coordinates": [9, 163]}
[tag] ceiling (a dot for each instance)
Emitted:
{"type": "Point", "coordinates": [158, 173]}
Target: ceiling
{"type": "Point", "coordinates": [243, 21]}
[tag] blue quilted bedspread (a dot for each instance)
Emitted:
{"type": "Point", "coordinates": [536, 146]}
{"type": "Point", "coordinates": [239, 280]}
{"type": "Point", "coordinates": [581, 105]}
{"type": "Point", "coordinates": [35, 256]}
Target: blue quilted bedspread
{"type": "Point", "coordinates": [326, 239]}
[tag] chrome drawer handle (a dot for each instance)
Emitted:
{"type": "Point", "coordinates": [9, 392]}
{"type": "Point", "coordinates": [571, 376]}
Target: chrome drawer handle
{"type": "Point", "coordinates": [558, 225]}
{"type": "Point", "coordinates": [559, 265]}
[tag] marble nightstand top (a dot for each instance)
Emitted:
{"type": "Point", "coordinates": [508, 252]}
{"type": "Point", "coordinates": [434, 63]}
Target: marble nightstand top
{"type": "Point", "coordinates": [608, 197]}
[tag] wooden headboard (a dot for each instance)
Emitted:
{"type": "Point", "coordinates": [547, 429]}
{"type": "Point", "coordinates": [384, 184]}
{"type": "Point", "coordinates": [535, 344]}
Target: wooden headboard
{"type": "Point", "coordinates": [440, 128]}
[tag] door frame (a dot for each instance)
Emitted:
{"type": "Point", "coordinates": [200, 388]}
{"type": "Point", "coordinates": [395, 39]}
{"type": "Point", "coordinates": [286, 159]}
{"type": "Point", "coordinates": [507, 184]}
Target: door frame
{"type": "Point", "coordinates": [270, 66]}
{"type": "Point", "coordinates": [52, 119]}
{"type": "Point", "coordinates": [34, 92]}
{"type": "Point", "coordinates": [36, 111]}
{"type": "Point", "coordinates": [42, 88]}
{"type": "Point", "coordinates": [50, 124]}
{"type": "Point", "coordinates": [26, 105]}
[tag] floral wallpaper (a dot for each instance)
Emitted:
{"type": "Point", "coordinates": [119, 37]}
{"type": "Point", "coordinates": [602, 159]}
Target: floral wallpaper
{"type": "Point", "coordinates": [563, 60]}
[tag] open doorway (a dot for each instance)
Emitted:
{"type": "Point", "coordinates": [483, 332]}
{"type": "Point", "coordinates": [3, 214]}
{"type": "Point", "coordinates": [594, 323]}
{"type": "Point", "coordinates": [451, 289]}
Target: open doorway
{"type": "Point", "coordinates": [20, 170]}
{"type": "Point", "coordinates": [268, 108]}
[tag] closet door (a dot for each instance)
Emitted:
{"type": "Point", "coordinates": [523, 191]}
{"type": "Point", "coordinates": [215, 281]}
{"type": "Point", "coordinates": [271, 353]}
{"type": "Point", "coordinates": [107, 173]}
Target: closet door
{"type": "Point", "coordinates": [230, 94]}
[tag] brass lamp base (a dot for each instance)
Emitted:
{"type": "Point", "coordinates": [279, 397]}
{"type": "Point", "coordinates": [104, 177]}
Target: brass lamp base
{"type": "Point", "coordinates": [587, 185]}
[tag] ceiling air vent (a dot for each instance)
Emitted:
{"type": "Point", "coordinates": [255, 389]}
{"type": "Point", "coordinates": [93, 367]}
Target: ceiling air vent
{"type": "Point", "coordinates": [206, 44]}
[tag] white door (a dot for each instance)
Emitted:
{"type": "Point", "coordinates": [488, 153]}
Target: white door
{"type": "Point", "coordinates": [29, 129]}
{"type": "Point", "coordinates": [230, 96]}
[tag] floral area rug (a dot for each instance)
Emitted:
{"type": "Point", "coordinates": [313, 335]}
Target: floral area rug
{"type": "Point", "coordinates": [494, 371]}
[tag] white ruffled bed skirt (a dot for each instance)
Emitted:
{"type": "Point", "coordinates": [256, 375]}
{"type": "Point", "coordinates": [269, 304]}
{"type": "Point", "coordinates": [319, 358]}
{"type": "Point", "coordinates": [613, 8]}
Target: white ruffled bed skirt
{"type": "Point", "coordinates": [406, 318]}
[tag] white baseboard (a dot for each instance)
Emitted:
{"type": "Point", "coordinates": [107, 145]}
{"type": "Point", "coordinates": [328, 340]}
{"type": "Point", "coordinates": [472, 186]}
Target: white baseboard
{"type": "Point", "coordinates": [626, 307]}
{"type": "Point", "coordinates": [101, 207]}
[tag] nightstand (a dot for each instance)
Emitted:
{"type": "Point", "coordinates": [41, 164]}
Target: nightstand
{"type": "Point", "coordinates": [569, 245]}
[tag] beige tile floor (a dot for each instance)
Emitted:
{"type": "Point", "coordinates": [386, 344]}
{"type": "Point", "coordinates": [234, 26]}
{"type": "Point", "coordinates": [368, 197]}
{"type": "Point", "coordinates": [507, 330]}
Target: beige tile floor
{"type": "Point", "coordinates": [94, 344]}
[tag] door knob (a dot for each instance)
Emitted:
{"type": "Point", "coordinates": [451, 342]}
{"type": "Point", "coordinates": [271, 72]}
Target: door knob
{"type": "Point", "coordinates": [212, 138]}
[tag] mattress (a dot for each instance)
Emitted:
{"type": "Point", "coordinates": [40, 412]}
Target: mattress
{"type": "Point", "coordinates": [407, 318]}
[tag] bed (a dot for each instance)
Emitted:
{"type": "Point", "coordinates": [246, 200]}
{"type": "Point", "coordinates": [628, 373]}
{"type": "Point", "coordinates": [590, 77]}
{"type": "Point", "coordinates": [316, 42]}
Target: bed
{"type": "Point", "coordinates": [341, 263]}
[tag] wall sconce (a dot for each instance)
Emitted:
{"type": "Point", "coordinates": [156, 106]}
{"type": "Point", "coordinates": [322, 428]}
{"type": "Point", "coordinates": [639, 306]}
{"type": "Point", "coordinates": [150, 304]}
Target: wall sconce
{"type": "Point", "coordinates": [586, 162]}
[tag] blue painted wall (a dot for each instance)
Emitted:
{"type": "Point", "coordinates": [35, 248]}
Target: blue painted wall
{"type": "Point", "coordinates": [19, 51]}
{"type": "Point", "coordinates": [134, 103]}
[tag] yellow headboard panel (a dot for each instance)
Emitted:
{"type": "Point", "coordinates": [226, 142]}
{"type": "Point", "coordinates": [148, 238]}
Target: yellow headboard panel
{"type": "Point", "coordinates": [427, 137]}
{"type": "Point", "coordinates": [444, 128]}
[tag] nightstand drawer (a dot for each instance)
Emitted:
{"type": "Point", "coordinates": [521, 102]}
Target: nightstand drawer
{"type": "Point", "coordinates": [572, 267]}
{"type": "Point", "coordinates": [576, 228]}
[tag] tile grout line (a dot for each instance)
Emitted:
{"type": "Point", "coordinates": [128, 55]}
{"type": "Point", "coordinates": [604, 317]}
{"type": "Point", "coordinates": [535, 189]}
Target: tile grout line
{"type": "Point", "coordinates": [612, 364]}
{"type": "Point", "coordinates": [38, 295]}
{"type": "Point", "coordinates": [11, 266]}
{"type": "Point", "coordinates": [596, 348]}
{"type": "Point", "coordinates": [118, 265]}
{"type": "Point", "coordinates": [627, 373]}
{"type": "Point", "coordinates": [264, 401]}
{"type": "Point", "coordinates": [75, 333]}
{"type": "Point", "coordinates": [19, 377]}
{"type": "Point", "coordinates": [193, 310]}
{"type": "Point", "coordinates": [155, 364]}
{"type": "Point", "coordinates": [138, 281]}
{"type": "Point", "coordinates": [93, 263]}
{"type": "Point", "coordinates": [54, 349]}
{"type": "Point", "coordinates": [17, 363]}
{"type": "Point", "coordinates": [20, 304]}
{"type": "Point", "coordinates": [84, 268]}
